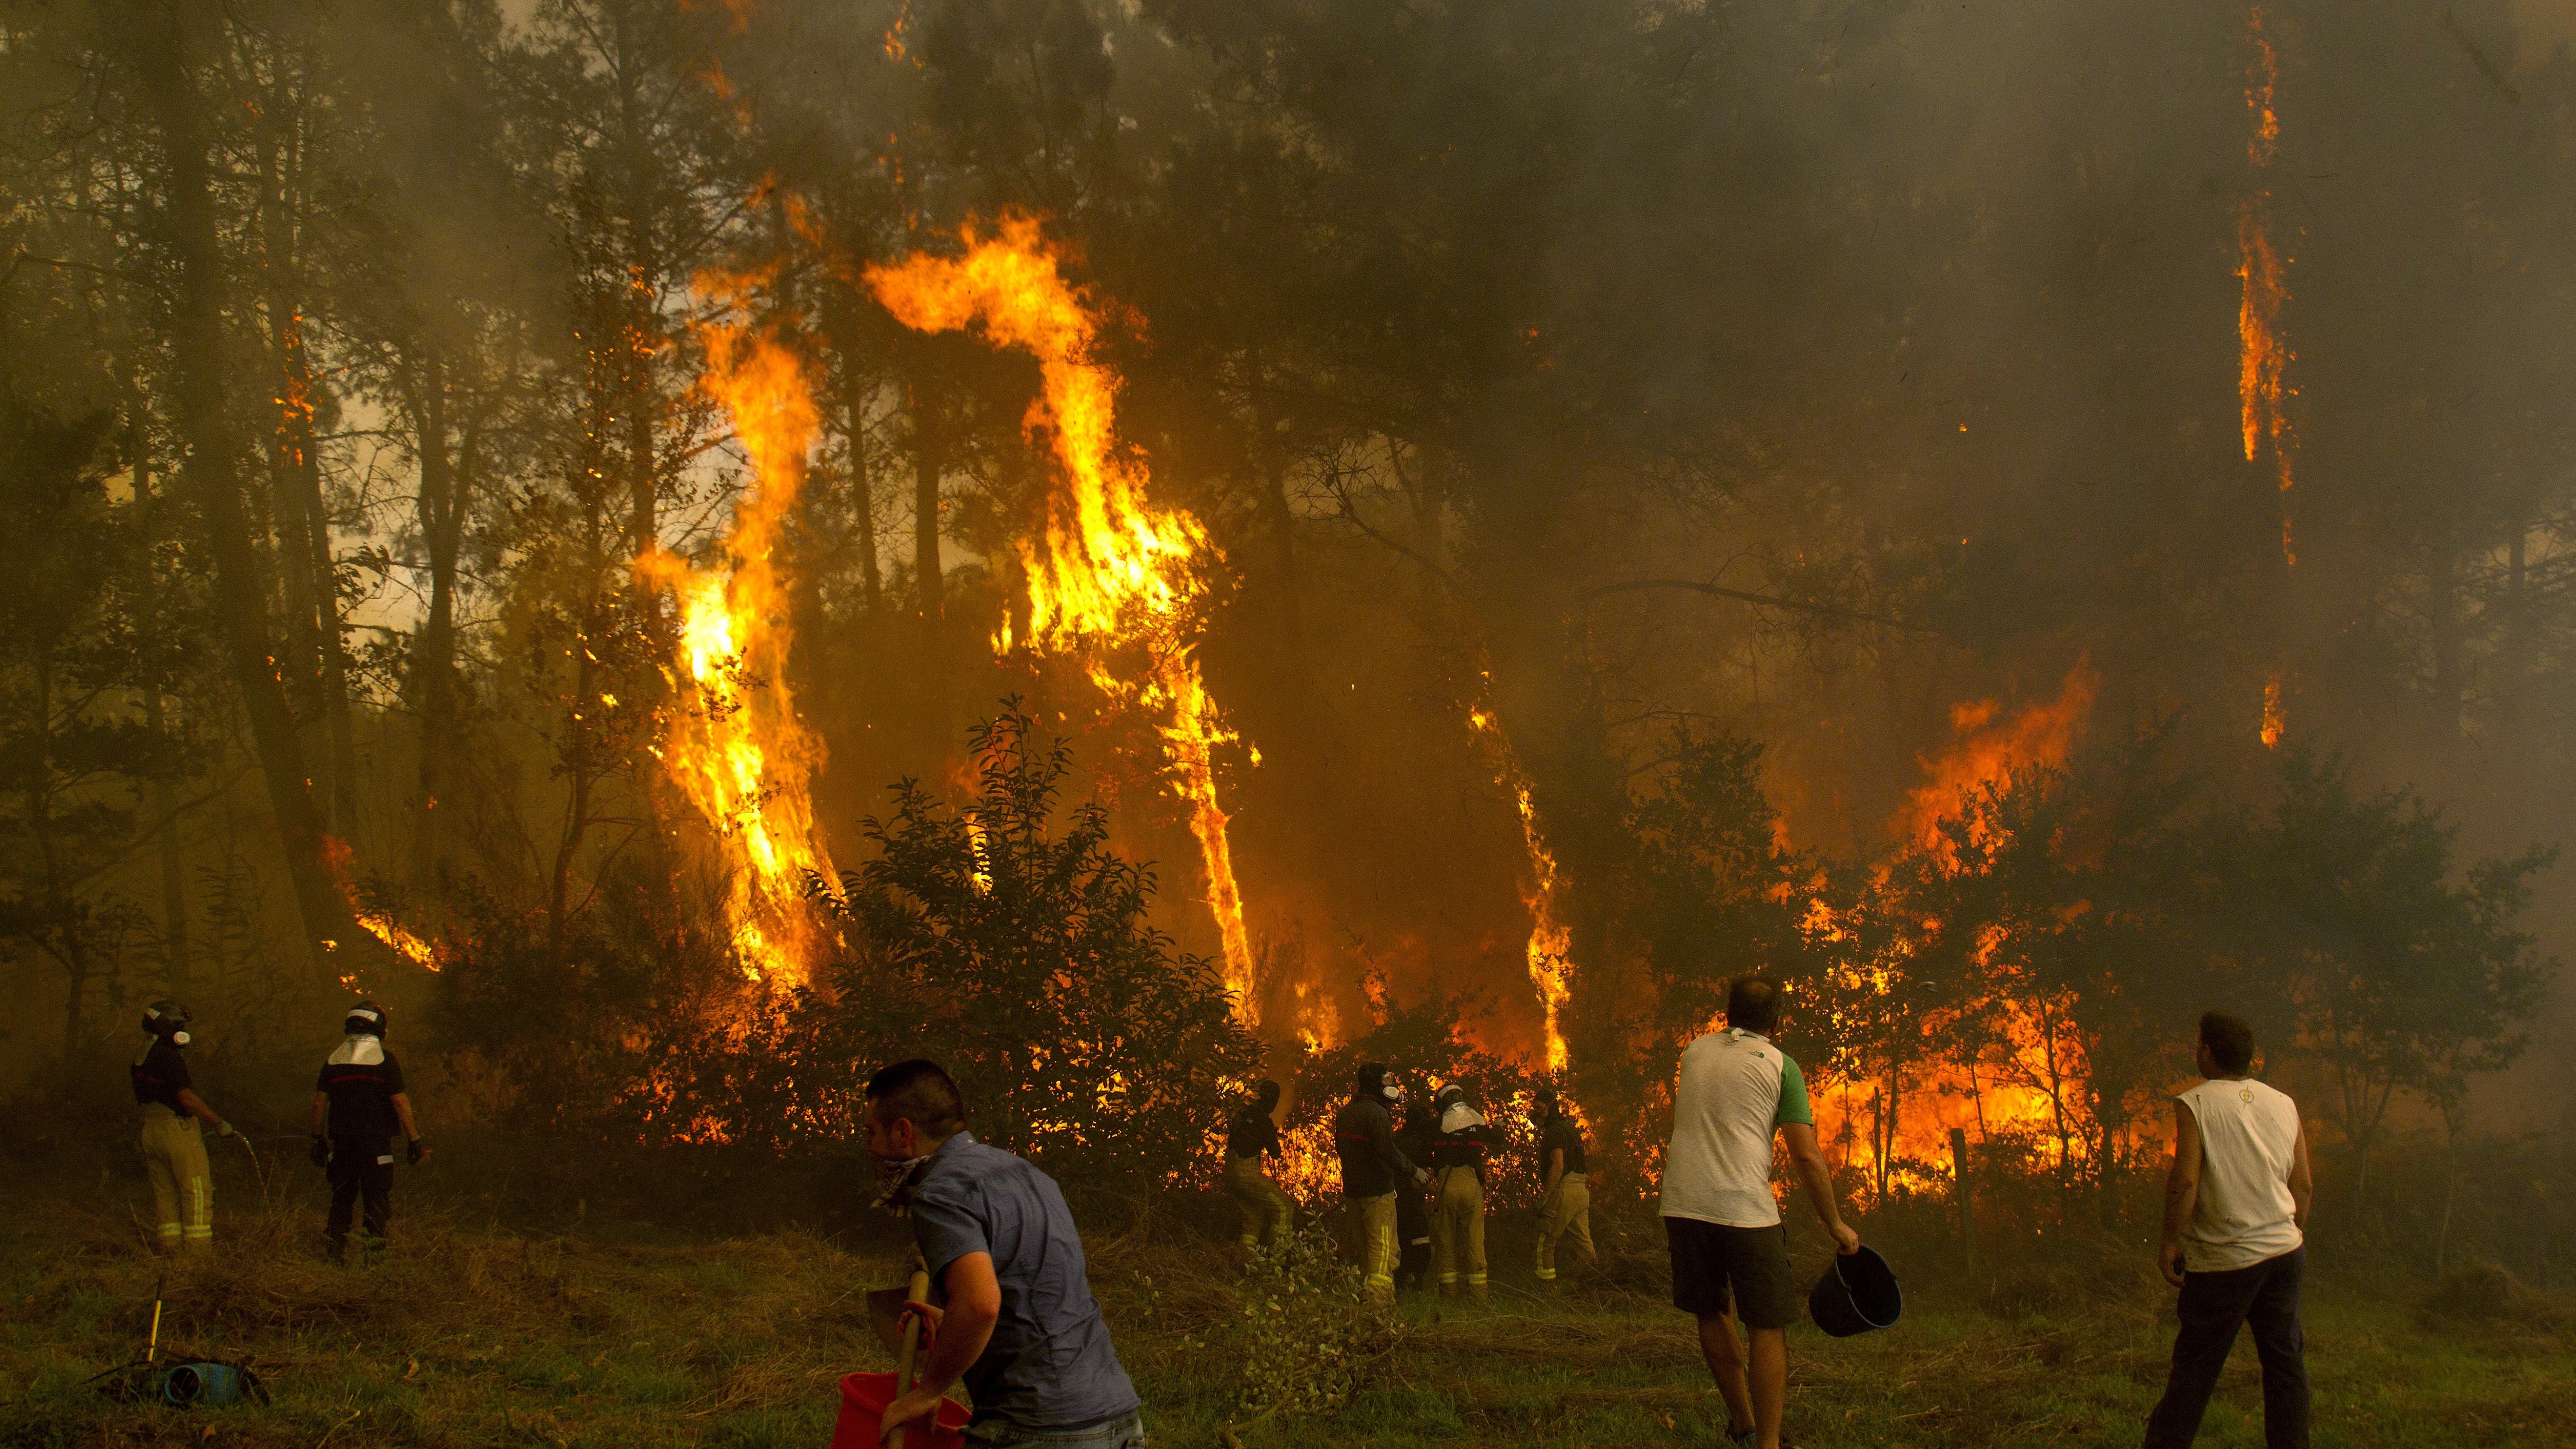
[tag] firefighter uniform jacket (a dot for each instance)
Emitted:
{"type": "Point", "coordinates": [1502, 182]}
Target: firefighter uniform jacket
{"type": "Point", "coordinates": [1372, 1164]}
{"type": "Point", "coordinates": [1464, 1147]}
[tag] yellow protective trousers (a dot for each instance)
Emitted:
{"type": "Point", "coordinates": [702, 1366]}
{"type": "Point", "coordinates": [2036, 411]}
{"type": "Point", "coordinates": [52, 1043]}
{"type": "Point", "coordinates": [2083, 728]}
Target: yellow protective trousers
{"type": "Point", "coordinates": [1458, 1230]}
{"type": "Point", "coordinates": [1567, 1213]}
{"type": "Point", "coordinates": [1377, 1243]}
{"type": "Point", "coordinates": [1266, 1210]}
{"type": "Point", "coordinates": [183, 1191]}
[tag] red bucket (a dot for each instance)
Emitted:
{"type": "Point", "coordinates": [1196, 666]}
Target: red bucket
{"type": "Point", "coordinates": [864, 1398]}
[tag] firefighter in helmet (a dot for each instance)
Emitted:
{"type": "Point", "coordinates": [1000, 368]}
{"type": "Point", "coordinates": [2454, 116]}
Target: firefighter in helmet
{"type": "Point", "coordinates": [174, 1146]}
{"type": "Point", "coordinates": [1252, 1135]}
{"type": "Point", "coordinates": [358, 1105]}
{"type": "Point", "coordinates": [1458, 1195]}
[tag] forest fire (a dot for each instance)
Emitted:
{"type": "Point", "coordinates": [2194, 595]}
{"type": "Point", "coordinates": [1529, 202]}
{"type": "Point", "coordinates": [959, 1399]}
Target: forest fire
{"type": "Point", "coordinates": [1987, 749]}
{"type": "Point", "coordinates": [733, 743]}
{"type": "Point", "coordinates": [2262, 358]}
{"type": "Point", "coordinates": [1111, 574]}
{"type": "Point", "coordinates": [1551, 941]}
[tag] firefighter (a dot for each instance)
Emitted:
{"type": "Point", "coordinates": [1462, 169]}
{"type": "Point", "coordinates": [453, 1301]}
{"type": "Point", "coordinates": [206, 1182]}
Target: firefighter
{"type": "Point", "coordinates": [1413, 1204]}
{"type": "Point", "coordinates": [174, 1147]}
{"type": "Point", "coordinates": [1458, 1195]}
{"type": "Point", "coordinates": [1252, 1135]}
{"type": "Point", "coordinates": [1565, 1208]}
{"type": "Point", "coordinates": [358, 1105]}
{"type": "Point", "coordinates": [1372, 1166]}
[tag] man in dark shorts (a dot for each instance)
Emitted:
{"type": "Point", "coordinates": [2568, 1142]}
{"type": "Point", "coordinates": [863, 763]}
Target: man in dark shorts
{"type": "Point", "coordinates": [1019, 1326]}
{"type": "Point", "coordinates": [1730, 1249]}
{"type": "Point", "coordinates": [359, 1103]}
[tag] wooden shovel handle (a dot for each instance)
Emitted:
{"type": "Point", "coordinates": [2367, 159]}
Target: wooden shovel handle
{"type": "Point", "coordinates": [917, 1291]}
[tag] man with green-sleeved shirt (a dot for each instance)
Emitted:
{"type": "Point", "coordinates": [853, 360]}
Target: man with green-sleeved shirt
{"type": "Point", "coordinates": [1730, 1250]}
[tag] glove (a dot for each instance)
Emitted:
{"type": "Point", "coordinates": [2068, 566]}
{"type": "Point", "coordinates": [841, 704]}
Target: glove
{"type": "Point", "coordinates": [223, 1129]}
{"type": "Point", "coordinates": [418, 1152]}
{"type": "Point", "coordinates": [321, 1150]}
{"type": "Point", "coordinates": [1421, 1178]}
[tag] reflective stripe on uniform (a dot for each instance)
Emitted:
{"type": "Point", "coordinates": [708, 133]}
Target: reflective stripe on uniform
{"type": "Point", "coordinates": [169, 1230]}
{"type": "Point", "coordinates": [1448, 1278]}
{"type": "Point", "coordinates": [1547, 1275]}
{"type": "Point", "coordinates": [1475, 1280]}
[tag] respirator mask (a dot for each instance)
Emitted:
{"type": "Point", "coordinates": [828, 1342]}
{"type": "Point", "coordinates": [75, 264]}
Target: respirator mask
{"type": "Point", "coordinates": [167, 1020]}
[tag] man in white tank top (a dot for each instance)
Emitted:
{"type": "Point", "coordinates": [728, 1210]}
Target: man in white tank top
{"type": "Point", "coordinates": [2236, 1216]}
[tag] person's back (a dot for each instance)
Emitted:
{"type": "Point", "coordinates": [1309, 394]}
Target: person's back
{"type": "Point", "coordinates": [2249, 1134]}
{"type": "Point", "coordinates": [1735, 1091]}
{"type": "Point", "coordinates": [1019, 1327]}
{"type": "Point", "coordinates": [1049, 1363]}
{"type": "Point", "coordinates": [2235, 1241]}
{"type": "Point", "coordinates": [1372, 1165]}
{"type": "Point", "coordinates": [1730, 1250]}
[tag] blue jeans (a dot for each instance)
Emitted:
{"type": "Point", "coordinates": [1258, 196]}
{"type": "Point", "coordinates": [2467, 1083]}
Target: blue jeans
{"type": "Point", "coordinates": [2214, 1306]}
{"type": "Point", "coordinates": [1126, 1433]}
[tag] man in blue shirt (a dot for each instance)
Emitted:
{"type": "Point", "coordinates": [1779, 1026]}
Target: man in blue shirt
{"type": "Point", "coordinates": [1019, 1328]}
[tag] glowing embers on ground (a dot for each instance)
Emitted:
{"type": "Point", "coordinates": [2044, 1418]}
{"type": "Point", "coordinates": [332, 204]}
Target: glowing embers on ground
{"type": "Point", "coordinates": [1110, 577]}
{"type": "Point", "coordinates": [1550, 951]}
{"type": "Point", "coordinates": [733, 744]}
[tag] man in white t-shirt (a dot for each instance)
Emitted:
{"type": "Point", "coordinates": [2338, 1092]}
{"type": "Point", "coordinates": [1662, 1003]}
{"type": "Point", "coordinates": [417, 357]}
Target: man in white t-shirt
{"type": "Point", "coordinates": [2236, 1217]}
{"type": "Point", "coordinates": [1730, 1250]}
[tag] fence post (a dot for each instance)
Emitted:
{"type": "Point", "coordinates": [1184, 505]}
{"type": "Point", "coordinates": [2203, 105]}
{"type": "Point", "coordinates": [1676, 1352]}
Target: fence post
{"type": "Point", "coordinates": [1967, 1197]}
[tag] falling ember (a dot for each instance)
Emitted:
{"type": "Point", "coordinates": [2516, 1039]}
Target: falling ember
{"type": "Point", "coordinates": [2262, 360]}
{"type": "Point", "coordinates": [734, 746]}
{"type": "Point", "coordinates": [2276, 715]}
{"type": "Point", "coordinates": [1551, 941]}
{"type": "Point", "coordinates": [1110, 570]}
{"type": "Point", "coordinates": [1988, 748]}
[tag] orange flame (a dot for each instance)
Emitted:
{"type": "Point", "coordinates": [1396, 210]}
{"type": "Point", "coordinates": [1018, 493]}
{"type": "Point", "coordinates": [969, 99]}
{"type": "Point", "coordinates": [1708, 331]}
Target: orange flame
{"type": "Point", "coordinates": [2262, 360]}
{"type": "Point", "coordinates": [2276, 715]}
{"type": "Point", "coordinates": [1987, 751]}
{"type": "Point", "coordinates": [1550, 951]}
{"type": "Point", "coordinates": [1110, 568]}
{"type": "Point", "coordinates": [737, 750]}
{"type": "Point", "coordinates": [2006, 1091]}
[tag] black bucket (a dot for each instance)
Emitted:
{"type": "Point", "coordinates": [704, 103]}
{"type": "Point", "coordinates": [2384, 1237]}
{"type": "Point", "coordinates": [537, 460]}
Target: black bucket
{"type": "Point", "coordinates": [1857, 1293]}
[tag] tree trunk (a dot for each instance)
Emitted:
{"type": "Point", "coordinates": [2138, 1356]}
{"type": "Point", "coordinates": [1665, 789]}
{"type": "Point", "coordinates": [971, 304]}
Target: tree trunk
{"type": "Point", "coordinates": [443, 489]}
{"type": "Point", "coordinates": [929, 467]}
{"type": "Point", "coordinates": [855, 388]}
{"type": "Point", "coordinates": [240, 593]}
{"type": "Point", "coordinates": [2442, 610]}
{"type": "Point", "coordinates": [164, 800]}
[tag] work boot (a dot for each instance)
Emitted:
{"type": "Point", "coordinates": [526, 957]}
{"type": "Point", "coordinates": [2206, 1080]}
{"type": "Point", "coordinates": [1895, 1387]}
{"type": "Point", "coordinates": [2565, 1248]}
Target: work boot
{"type": "Point", "coordinates": [336, 1252]}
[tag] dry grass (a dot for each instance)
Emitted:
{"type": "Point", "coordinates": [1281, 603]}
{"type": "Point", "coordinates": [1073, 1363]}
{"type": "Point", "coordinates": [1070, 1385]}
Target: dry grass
{"type": "Point", "coordinates": [466, 1337]}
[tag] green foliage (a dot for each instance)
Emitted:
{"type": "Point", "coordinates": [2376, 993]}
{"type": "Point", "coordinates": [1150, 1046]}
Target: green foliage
{"type": "Point", "coordinates": [1310, 1333]}
{"type": "Point", "coordinates": [2396, 974]}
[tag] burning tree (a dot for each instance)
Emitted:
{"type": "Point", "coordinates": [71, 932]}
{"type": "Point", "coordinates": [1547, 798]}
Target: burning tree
{"type": "Point", "coordinates": [1005, 939]}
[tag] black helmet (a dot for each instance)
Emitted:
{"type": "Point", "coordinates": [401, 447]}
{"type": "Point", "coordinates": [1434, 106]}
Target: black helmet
{"type": "Point", "coordinates": [167, 1019]}
{"type": "Point", "coordinates": [1267, 1094]}
{"type": "Point", "coordinates": [365, 1019]}
{"type": "Point", "coordinates": [1372, 1076]}
{"type": "Point", "coordinates": [1448, 1094]}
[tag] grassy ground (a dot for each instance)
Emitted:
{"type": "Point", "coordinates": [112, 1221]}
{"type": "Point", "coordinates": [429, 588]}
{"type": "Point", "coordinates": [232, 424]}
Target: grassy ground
{"type": "Point", "coordinates": [471, 1337]}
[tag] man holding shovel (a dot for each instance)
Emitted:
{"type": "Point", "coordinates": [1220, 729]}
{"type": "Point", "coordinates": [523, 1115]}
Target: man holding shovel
{"type": "Point", "coordinates": [1730, 1250]}
{"type": "Point", "coordinates": [1019, 1326]}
